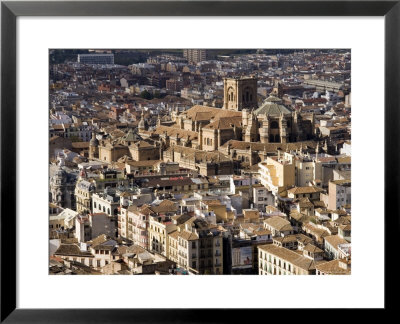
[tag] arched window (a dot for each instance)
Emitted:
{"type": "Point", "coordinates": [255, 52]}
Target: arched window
{"type": "Point", "coordinates": [104, 209]}
{"type": "Point", "coordinates": [277, 138]}
{"type": "Point", "coordinates": [94, 204]}
{"type": "Point", "coordinates": [271, 138]}
{"type": "Point", "coordinates": [274, 125]}
{"type": "Point", "coordinates": [247, 96]}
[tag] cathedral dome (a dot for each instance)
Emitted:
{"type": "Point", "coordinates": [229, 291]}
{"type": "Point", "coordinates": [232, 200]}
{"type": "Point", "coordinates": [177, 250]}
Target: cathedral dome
{"type": "Point", "coordinates": [272, 106]}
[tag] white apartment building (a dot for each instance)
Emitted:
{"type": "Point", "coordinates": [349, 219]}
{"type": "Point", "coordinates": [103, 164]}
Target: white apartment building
{"type": "Point", "coordinates": [105, 203]}
{"type": "Point", "coordinates": [275, 260]}
{"type": "Point", "coordinates": [262, 197]}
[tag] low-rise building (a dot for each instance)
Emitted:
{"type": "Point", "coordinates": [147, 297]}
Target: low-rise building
{"type": "Point", "coordinates": [331, 245]}
{"type": "Point", "coordinates": [334, 267]}
{"type": "Point", "coordinates": [278, 226]}
{"type": "Point", "coordinates": [262, 197]}
{"type": "Point", "coordinates": [106, 202]}
{"type": "Point", "coordinates": [275, 260]}
{"type": "Point", "coordinates": [339, 193]}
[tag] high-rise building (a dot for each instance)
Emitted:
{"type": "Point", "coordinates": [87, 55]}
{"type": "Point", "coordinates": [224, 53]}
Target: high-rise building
{"type": "Point", "coordinates": [96, 58]}
{"type": "Point", "coordinates": [195, 55]}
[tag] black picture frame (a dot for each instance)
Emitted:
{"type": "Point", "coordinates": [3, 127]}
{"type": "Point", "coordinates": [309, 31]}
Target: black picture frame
{"type": "Point", "coordinates": [11, 10]}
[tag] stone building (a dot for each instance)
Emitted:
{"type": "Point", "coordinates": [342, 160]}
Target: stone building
{"type": "Point", "coordinates": [280, 124]}
{"type": "Point", "coordinates": [130, 145]}
{"type": "Point", "coordinates": [111, 151]}
{"type": "Point", "coordinates": [94, 147]}
{"type": "Point", "coordinates": [205, 163]}
{"type": "Point", "coordinates": [62, 186]}
{"type": "Point", "coordinates": [144, 150]}
{"type": "Point", "coordinates": [240, 93]}
{"type": "Point", "coordinates": [255, 152]}
{"type": "Point", "coordinates": [208, 128]}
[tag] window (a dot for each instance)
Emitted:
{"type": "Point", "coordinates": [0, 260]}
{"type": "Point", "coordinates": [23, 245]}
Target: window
{"type": "Point", "coordinates": [274, 125]}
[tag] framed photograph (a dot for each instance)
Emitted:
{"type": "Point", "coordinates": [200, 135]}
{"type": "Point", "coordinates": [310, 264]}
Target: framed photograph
{"type": "Point", "coordinates": [160, 158]}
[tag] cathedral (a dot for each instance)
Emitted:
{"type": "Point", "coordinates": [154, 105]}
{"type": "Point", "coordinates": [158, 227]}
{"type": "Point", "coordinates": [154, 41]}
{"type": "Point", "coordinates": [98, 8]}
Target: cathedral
{"type": "Point", "coordinates": [208, 128]}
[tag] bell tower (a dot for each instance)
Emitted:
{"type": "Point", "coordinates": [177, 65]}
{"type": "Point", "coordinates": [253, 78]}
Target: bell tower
{"type": "Point", "coordinates": [240, 93]}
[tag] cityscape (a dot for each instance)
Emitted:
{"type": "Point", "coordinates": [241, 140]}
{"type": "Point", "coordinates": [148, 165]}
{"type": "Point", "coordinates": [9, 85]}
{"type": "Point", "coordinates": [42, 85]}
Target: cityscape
{"type": "Point", "coordinates": [199, 162]}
